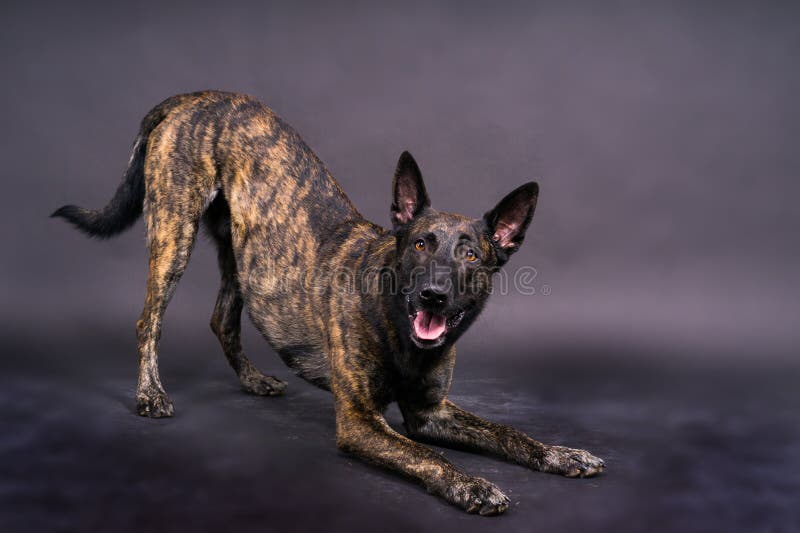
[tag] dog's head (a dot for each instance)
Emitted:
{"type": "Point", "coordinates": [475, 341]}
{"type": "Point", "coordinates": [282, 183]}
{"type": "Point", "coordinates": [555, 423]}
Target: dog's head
{"type": "Point", "coordinates": [445, 261]}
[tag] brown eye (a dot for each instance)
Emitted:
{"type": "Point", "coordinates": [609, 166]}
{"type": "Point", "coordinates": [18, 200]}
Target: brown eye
{"type": "Point", "coordinates": [419, 245]}
{"type": "Point", "coordinates": [471, 257]}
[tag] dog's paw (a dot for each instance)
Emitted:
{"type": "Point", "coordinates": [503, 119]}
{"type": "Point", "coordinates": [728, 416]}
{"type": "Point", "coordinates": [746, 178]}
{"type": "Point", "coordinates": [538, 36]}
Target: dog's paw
{"type": "Point", "coordinates": [476, 495]}
{"type": "Point", "coordinates": [570, 462]}
{"type": "Point", "coordinates": [255, 382]}
{"type": "Point", "coordinates": [154, 405]}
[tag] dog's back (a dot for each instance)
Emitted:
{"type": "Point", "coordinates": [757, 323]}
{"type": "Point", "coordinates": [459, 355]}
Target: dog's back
{"type": "Point", "coordinates": [279, 204]}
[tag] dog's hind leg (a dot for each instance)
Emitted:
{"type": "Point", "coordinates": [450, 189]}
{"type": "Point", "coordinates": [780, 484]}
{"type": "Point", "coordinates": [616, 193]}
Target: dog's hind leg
{"type": "Point", "coordinates": [170, 247]}
{"type": "Point", "coordinates": [172, 216]}
{"type": "Point", "coordinates": [226, 322]}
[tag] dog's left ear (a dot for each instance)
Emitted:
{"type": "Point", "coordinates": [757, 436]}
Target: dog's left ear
{"type": "Point", "coordinates": [508, 221]}
{"type": "Point", "coordinates": [408, 191]}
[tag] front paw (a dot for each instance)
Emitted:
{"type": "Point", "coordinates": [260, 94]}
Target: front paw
{"type": "Point", "coordinates": [570, 462]}
{"type": "Point", "coordinates": [476, 495]}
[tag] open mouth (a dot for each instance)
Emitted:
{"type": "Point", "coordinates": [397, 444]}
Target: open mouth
{"type": "Point", "coordinates": [430, 328]}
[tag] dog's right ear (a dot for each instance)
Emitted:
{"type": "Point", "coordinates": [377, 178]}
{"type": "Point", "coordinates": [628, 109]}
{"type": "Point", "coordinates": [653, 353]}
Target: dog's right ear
{"type": "Point", "coordinates": [409, 196]}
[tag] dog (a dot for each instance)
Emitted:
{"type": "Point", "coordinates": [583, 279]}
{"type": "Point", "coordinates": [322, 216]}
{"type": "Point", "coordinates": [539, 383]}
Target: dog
{"type": "Point", "coordinates": [370, 314]}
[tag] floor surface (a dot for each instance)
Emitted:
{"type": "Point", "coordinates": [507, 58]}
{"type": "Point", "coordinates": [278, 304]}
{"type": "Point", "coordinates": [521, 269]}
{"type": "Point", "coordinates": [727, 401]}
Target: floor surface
{"type": "Point", "coordinates": [689, 446]}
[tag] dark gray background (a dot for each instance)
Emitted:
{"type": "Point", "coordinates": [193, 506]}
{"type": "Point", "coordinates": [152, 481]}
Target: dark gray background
{"type": "Point", "coordinates": [664, 138]}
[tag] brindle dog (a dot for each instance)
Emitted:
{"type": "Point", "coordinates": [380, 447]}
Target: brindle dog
{"type": "Point", "coordinates": [369, 314]}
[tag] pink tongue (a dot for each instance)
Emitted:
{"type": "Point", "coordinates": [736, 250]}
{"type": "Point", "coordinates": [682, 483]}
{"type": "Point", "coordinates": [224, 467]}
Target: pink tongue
{"type": "Point", "coordinates": [428, 326]}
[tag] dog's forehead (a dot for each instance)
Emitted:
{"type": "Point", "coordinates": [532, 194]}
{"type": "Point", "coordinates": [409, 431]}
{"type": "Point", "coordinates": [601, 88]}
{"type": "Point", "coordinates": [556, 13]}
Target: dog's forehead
{"type": "Point", "coordinates": [447, 224]}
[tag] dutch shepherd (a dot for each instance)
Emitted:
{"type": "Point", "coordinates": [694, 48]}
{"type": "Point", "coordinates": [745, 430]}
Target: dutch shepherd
{"type": "Point", "coordinates": [370, 314]}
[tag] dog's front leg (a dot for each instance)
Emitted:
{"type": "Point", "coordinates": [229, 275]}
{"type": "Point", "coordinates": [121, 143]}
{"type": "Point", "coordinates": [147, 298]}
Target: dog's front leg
{"type": "Point", "coordinates": [368, 437]}
{"type": "Point", "coordinates": [446, 424]}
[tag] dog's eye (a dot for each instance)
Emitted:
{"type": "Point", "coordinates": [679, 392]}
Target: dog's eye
{"type": "Point", "coordinates": [419, 245]}
{"type": "Point", "coordinates": [471, 257]}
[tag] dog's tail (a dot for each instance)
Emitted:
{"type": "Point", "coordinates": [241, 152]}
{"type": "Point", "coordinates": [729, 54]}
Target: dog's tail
{"type": "Point", "coordinates": [127, 204]}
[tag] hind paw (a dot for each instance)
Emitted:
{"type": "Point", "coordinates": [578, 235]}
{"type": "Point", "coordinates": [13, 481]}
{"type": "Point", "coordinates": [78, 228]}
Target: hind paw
{"type": "Point", "coordinates": [255, 382]}
{"type": "Point", "coordinates": [155, 404]}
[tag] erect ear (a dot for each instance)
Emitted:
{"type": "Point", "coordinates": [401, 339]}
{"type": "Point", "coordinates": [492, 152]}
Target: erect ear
{"type": "Point", "coordinates": [409, 195]}
{"type": "Point", "coordinates": [508, 221]}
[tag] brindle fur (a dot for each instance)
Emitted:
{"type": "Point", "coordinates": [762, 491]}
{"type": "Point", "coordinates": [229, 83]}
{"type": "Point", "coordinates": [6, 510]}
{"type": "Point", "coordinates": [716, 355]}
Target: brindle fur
{"type": "Point", "coordinates": [277, 215]}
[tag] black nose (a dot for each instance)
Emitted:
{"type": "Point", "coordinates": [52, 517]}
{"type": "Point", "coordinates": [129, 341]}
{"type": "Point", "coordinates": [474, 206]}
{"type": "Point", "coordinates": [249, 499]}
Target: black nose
{"type": "Point", "coordinates": [433, 295]}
